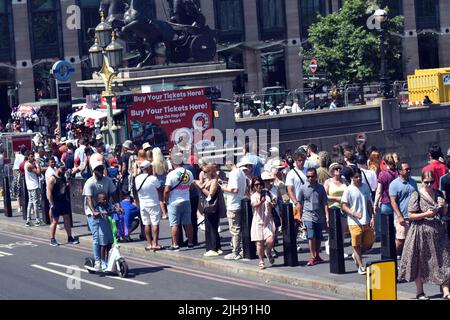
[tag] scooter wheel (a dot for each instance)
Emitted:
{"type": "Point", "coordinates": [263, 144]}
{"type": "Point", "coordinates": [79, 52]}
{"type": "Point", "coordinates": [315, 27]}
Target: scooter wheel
{"type": "Point", "coordinates": [122, 268]}
{"type": "Point", "coordinates": [89, 263]}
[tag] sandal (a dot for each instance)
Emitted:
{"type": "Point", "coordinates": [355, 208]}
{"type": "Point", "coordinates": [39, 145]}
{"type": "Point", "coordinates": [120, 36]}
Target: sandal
{"type": "Point", "coordinates": [148, 248]}
{"type": "Point", "coordinates": [271, 260]}
{"type": "Point", "coordinates": [422, 296]}
{"type": "Point", "coordinates": [157, 248]}
{"type": "Point", "coordinates": [261, 265]}
{"type": "Point", "coordinates": [447, 297]}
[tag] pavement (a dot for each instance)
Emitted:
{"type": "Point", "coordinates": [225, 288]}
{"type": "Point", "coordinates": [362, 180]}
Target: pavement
{"type": "Point", "coordinates": [317, 277]}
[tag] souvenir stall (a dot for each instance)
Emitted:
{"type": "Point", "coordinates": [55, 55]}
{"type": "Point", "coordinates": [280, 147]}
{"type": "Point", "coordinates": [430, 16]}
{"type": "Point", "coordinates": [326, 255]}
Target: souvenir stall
{"type": "Point", "coordinates": [38, 116]}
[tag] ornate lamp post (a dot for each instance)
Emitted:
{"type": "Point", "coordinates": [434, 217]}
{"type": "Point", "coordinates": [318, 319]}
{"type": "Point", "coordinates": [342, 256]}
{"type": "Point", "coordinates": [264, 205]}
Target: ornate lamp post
{"type": "Point", "coordinates": [381, 16]}
{"type": "Point", "coordinates": [106, 55]}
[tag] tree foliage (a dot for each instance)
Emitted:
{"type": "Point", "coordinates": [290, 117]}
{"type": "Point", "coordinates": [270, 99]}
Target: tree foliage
{"type": "Point", "coordinates": [347, 51]}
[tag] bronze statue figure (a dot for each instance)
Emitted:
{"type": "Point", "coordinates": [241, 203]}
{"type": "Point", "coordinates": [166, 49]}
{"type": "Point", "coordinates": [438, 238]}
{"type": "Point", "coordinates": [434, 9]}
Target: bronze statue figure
{"type": "Point", "coordinates": [186, 37]}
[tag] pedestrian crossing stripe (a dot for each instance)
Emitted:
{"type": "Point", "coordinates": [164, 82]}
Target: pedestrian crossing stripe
{"type": "Point", "coordinates": [2, 254]}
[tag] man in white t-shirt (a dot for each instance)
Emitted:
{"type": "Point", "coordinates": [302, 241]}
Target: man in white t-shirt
{"type": "Point", "coordinates": [295, 179]}
{"type": "Point", "coordinates": [32, 173]}
{"type": "Point", "coordinates": [176, 197]}
{"type": "Point", "coordinates": [357, 204]}
{"type": "Point", "coordinates": [147, 187]}
{"type": "Point", "coordinates": [235, 192]}
{"type": "Point", "coordinates": [369, 177]}
{"type": "Point", "coordinates": [50, 169]}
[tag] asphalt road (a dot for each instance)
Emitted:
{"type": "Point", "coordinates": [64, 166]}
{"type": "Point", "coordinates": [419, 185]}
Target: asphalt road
{"type": "Point", "coordinates": [31, 269]}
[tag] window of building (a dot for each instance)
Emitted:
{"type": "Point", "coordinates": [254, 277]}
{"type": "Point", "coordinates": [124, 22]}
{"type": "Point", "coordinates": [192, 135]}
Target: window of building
{"type": "Point", "coordinates": [395, 7]}
{"type": "Point", "coordinates": [6, 32]}
{"type": "Point", "coordinates": [309, 9]}
{"type": "Point", "coordinates": [340, 4]}
{"type": "Point", "coordinates": [273, 68]}
{"type": "Point", "coordinates": [427, 14]}
{"type": "Point", "coordinates": [229, 20]}
{"type": "Point", "coordinates": [44, 84]}
{"type": "Point", "coordinates": [271, 19]}
{"type": "Point", "coordinates": [90, 18]}
{"type": "Point", "coordinates": [45, 29]}
{"type": "Point", "coordinates": [428, 51]}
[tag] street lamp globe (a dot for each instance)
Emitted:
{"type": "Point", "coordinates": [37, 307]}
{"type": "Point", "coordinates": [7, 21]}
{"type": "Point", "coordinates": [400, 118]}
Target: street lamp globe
{"type": "Point", "coordinates": [96, 55]}
{"type": "Point", "coordinates": [114, 52]}
{"type": "Point", "coordinates": [103, 31]}
{"type": "Point", "coordinates": [380, 15]}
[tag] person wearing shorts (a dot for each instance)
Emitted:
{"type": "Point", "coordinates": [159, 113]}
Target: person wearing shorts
{"type": "Point", "coordinates": [313, 206]}
{"type": "Point", "coordinates": [357, 204]}
{"type": "Point", "coordinates": [176, 195]}
{"type": "Point", "coordinates": [147, 188]}
{"type": "Point", "coordinates": [400, 190]}
{"type": "Point", "coordinates": [59, 204]}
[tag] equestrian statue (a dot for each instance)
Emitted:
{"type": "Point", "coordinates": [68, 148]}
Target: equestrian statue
{"type": "Point", "coordinates": [186, 37]}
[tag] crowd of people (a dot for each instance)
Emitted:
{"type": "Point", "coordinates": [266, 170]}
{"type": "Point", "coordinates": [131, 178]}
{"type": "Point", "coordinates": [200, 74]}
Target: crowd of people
{"type": "Point", "coordinates": [359, 182]}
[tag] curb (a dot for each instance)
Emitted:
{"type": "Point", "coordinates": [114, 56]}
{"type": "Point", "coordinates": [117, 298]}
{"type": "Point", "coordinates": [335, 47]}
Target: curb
{"type": "Point", "coordinates": [352, 290]}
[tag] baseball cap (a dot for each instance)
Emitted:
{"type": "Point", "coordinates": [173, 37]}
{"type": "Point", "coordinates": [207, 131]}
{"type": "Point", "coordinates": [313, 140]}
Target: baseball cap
{"type": "Point", "coordinates": [245, 162]}
{"type": "Point", "coordinates": [146, 145]}
{"type": "Point", "coordinates": [98, 137]}
{"type": "Point", "coordinates": [145, 164]}
{"type": "Point", "coordinates": [113, 162]}
{"type": "Point", "coordinates": [96, 164]}
{"type": "Point", "coordinates": [128, 144]}
{"type": "Point", "coordinates": [267, 176]}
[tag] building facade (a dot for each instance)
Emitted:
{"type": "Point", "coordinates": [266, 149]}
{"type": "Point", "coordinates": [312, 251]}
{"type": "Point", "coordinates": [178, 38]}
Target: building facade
{"type": "Point", "coordinates": [261, 36]}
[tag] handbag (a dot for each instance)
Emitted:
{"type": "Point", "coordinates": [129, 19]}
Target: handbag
{"type": "Point", "coordinates": [217, 206]}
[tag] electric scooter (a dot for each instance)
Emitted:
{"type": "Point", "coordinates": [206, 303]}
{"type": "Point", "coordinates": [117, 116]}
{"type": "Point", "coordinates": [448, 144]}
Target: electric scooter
{"type": "Point", "coordinates": [116, 262]}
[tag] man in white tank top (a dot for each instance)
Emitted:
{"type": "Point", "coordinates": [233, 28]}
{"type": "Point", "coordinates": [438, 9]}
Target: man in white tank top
{"type": "Point", "coordinates": [32, 173]}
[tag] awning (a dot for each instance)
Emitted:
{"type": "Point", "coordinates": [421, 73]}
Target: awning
{"type": "Point", "coordinates": [95, 114]}
{"type": "Point", "coordinates": [264, 45]}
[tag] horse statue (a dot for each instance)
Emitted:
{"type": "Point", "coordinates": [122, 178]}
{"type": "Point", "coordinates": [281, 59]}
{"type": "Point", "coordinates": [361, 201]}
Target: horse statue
{"type": "Point", "coordinates": [188, 39]}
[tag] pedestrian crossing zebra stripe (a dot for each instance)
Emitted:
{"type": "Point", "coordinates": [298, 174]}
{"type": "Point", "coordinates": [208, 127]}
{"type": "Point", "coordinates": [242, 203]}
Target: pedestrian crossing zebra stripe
{"type": "Point", "coordinates": [2, 254]}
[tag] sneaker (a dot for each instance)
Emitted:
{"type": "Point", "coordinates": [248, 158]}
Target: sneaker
{"type": "Point", "coordinates": [38, 223]}
{"type": "Point", "coordinates": [104, 265]}
{"type": "Point", "coordinates": [28, 224]}
{"type": "Point", "coordinates": [72, 240]}
{"type": "Point", "coordinates": [362, 270]}
{"type": "Point", "coordinates": [219, 230]}
{"type": "Point", "coordinates": [220, 252]}
{"type": "Point", "coordinates": [98, 266]}
{"type": "Point", "coordinates": [275, 253]}
{"type": "Point", "coordinates": [239, 256]}
{"type": "Point", "coordinates": [60, 227]}
{"type": "Point", "coordinates": [422, 296]}
{"type": "Point", "coordinates": [327, 247]}
{"type": "Point", "coordinates": [311, 262]}
{"type": "Point", "coordinates": [54, 243]}
{"type": "Point", "coordinates": [299, 249]}
{"type": "Point", "coordinates": [174, 248]}
{"type": "Point", "coordinates": [231, 256]}
{"type": "Point", "coordinates": [190, 246]}
{"type": "Point", "coordinates": [346, 255]}
{"type": "Point", "coordinates": [211, 253]}
{"type": "Point", "coordinates": [271, 260]}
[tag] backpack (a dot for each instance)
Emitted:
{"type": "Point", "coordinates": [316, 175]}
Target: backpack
{"type": "Point", "coordinates": [70, 160]}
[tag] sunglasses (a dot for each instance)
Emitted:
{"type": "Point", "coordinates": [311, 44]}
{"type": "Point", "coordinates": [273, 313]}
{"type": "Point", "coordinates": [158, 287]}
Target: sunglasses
{"type": "Point", "coordinates": [310, 177]}
{"type": "Point", "coordinates": [429, 182]}
{"type": "Point", "coordinates": [407, 169]}
{"type": "Point", "coordinates": [258, 184]}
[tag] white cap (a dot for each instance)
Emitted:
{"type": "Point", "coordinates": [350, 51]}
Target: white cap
{"type": "Point", "coordinates": [98, 137]}
{"type": "Point", "coordinates": [128, 144]}
{"type": "Point", "coordinates": [244, 162]}
{"type": "Point", "coordinates": [145, 164]}
{"type": "Point", "coordinates": [146, 145]}
{"type": "Point", "coordinates": [267, 176]}
{"type": "Point", "coordinates": [95, 164]}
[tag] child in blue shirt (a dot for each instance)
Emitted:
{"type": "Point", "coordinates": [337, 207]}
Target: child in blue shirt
{"type": "Point", "coordinates": [131, 215]}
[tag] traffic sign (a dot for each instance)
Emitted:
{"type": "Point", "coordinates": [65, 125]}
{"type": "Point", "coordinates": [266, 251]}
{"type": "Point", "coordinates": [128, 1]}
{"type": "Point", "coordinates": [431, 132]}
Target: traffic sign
{"type": "Point", "coordinates": [313, 65]}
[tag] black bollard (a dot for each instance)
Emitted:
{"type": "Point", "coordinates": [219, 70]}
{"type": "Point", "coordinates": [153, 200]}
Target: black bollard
{"type": "Point", "coordinates": [45, 205]}
{"type": "Point", "coordinates": [24, 193]}
{"type": "Point", "coordinates": [7, 197]}
{"type": "Point", "coordinates": [180, 235]}
{"type": "Point", "coordinates": [248, 246]}
{"type": "Point", "coordinates": [388, 250]}
{"type": "Point", "coordinates": [289, 235]}
{"type": "Point", "coordinates": [337, 263]}
{"type": "Point", "coordinates": [69, 199]}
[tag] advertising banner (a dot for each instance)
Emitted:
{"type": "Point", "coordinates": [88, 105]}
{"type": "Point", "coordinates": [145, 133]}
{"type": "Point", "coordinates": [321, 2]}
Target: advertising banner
{"type": "Point", "coordinates": [163, 118]}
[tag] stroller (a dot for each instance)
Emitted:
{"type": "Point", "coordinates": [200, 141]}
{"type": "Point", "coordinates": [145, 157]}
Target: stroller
{"type": "Point", "coordinates": [116, 263]}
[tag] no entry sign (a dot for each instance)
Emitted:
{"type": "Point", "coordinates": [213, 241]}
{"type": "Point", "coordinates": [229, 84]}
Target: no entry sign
{"type": "Point", "coordinates": [313, 65]}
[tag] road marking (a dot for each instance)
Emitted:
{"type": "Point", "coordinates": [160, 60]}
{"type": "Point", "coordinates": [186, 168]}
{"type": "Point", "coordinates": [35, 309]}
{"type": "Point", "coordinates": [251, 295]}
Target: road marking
{"type": "Point", "coordinates": [72, 277]}
{"type": "Point", "coordinates": [218, 298]}
{"type": "Point", "coordinates": [84, 270]}
{"type": "Point", "coordinates": [5, 254]}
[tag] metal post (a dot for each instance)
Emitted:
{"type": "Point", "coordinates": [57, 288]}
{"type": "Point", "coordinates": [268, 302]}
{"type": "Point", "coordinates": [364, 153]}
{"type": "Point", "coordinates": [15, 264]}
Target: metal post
{"type": "Point", "coordinates": [388, 250]}
{"type": "Point", "coordinates": [337, 263]}
{"type": "Point", "coordinates": [248, 246]}
{"type": "Point", "coordinates": [289, 235]}
{"type": "Point", "coordinates": [69, 198]}
{"type": "Point", "coordinates": [7, 197]}
{"type": "Point", "coordinates": [383, 74]}
{"type": "Point", "coordinates": [45, 205]}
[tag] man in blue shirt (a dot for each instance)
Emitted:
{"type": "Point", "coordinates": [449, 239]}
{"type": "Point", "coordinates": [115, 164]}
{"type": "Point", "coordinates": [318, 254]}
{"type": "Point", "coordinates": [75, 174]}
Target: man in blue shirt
{"type": "Point", "coordinates": [131, 215]}
{"type": "Point", "coordinates": [400, 191]}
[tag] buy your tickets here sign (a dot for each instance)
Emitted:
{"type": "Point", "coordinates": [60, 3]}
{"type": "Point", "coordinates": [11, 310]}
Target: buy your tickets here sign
{"type": "Point", "coordinates": [164, 117]}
